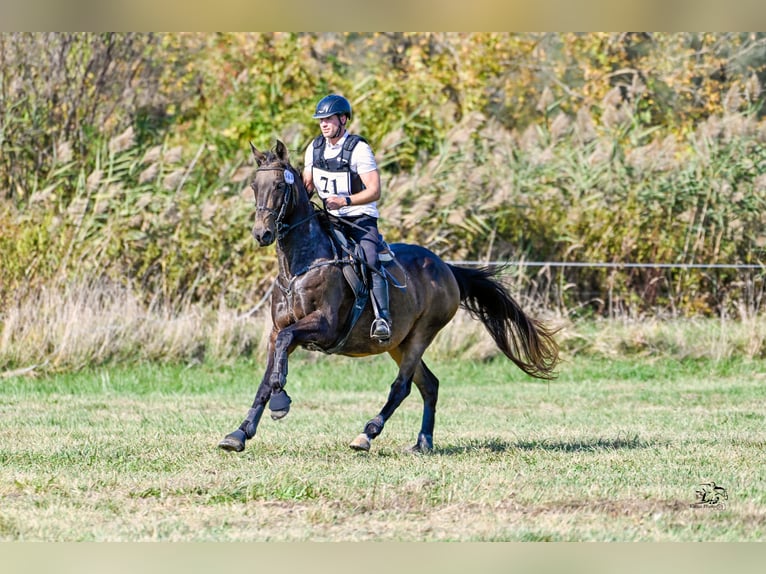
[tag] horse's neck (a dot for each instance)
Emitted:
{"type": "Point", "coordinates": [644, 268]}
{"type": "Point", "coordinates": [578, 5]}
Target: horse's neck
{"type": "Point", "coordinates": [304, 244]}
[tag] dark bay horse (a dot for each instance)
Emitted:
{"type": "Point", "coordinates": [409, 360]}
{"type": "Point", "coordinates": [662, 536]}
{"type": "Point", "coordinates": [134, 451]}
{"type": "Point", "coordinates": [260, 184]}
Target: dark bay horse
{"type": "Point", "coordinates": [312, 302]}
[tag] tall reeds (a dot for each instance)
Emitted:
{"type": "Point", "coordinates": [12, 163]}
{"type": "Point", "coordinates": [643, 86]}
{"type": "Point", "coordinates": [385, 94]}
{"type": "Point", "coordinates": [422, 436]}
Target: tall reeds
{"type": "Point", "coordinates": [77, 325]}
{"type": "Point", "coordinates": [615, 194]}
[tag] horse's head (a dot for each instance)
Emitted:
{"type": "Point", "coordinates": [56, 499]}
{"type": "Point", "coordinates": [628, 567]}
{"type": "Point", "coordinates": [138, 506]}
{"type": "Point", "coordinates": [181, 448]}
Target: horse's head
{"type": "Point", "coordinates": [276, 186]}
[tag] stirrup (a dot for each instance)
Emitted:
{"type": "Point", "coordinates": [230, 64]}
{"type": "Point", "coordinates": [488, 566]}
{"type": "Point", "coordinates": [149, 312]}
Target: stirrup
{"type": "Point", "coordinates": [380, 330]}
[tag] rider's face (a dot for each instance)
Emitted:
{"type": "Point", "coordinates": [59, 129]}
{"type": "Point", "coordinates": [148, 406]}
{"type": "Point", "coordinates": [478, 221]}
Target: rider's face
{"type": "Point", "coordinates": [330, 126]}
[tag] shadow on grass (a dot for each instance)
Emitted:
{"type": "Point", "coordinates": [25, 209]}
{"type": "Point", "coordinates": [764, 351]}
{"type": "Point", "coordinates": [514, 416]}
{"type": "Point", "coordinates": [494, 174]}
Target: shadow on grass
{"type": "Point", "coordinates": [584, 445]}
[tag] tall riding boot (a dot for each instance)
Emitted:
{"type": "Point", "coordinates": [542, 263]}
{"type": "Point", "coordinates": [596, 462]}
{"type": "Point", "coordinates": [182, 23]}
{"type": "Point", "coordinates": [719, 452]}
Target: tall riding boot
{"type": "Point", "coordinates": [381, 326]}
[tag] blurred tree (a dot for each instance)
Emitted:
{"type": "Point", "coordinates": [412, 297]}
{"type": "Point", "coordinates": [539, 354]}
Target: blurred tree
{"type": "Point", "coordinates": [62, 92]}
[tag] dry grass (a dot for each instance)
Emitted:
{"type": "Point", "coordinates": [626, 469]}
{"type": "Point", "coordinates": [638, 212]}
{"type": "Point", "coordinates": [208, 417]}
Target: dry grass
{"type": "Point", "coordinates": [708, 338]}
{"type": "Point", "coordinates": [86, 325]}
{"type": "Point", "coordinates": [64, 329]}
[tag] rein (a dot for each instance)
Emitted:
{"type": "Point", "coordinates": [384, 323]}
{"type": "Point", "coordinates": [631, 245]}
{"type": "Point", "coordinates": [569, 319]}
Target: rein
{"type": "Point", "coordinates": [284, 228]}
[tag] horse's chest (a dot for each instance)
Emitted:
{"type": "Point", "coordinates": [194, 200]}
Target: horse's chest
{"type": "Point", "coordinates": [296, 300]}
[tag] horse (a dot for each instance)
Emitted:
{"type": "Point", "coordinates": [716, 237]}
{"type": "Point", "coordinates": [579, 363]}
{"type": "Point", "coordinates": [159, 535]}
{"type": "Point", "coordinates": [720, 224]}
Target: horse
{"type": "Point", "coordinates": [312, 302]}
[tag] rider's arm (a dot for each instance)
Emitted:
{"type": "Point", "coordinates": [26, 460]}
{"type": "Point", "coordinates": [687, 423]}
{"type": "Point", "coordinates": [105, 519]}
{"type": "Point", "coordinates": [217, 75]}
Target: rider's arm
{"type": "Point", "coordinates": [308, 162]}
{"type": "Point", "coordinates": [371, 181]}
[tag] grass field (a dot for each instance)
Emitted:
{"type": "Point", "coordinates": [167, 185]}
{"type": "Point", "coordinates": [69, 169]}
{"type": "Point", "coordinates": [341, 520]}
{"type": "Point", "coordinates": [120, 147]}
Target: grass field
{"type": "Point", "coordinates": [614, 450]}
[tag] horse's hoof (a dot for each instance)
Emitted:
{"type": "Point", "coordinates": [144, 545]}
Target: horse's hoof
{"type": "Point", "coordinates": [360, 443]}
{"type": "Point", "coordinates": [276, 415]}
{"type": "Point", "coordinates": [279, 404]}
{"type": "Point", "coordinates": [424, 445]}
{"type": "Point", "coordinates": [233, 442]}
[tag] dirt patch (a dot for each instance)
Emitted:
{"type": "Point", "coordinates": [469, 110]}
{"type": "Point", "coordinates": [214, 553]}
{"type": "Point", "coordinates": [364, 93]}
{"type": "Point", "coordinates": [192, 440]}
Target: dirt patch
{"type": "Point", "coordinates": [614, 508]}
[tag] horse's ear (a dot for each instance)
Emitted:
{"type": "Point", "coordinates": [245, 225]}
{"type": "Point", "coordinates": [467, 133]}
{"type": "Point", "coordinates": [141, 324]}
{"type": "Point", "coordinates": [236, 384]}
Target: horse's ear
{"type": "Point", "coordinates": [259, 156]}
{"type": "Point", "coordinates": [281, 151]}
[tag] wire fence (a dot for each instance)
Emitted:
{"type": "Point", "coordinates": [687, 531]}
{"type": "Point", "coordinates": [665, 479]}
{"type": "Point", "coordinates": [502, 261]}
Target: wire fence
{"type": "Point", "coordinates": [607, 265]}
{"type": "Point", "coordinates": [638, 287]}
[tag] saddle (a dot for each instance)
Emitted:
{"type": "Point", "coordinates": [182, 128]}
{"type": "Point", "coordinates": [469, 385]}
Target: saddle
{"type": "Point", "coordinates": [358, 275]}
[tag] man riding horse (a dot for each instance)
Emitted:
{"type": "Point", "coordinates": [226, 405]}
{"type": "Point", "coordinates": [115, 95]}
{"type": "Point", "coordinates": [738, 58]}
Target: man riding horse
{"type": "Point", "coordinates": [313, 308]}
{"type": "Point", "coordinates": [342, 169]}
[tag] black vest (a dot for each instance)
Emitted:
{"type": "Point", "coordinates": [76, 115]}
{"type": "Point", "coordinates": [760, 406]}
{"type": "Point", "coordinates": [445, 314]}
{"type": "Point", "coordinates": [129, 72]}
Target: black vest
{"type": "Point", "coordinates": [341, 162]}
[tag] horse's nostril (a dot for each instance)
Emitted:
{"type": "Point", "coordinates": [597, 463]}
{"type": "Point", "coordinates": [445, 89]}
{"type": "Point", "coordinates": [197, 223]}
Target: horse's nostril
{"type": "Point", "coordinates": [264, 237]}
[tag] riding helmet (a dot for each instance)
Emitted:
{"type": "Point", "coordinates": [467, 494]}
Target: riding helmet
{"type": "Point", "coordinates": [332, 105]}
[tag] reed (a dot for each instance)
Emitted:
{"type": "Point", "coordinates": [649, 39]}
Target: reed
{"type": "Point", "coordinates": [83, 325]}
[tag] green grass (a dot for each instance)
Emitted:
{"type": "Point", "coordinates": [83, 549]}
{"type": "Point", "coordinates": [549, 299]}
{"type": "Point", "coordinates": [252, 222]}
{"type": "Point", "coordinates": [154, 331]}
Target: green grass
{"type": "Point", "coordinates": [612, 450]}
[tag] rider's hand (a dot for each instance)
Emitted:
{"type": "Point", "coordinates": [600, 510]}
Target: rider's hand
{"type": "Point", "coordinates": [335, 202]}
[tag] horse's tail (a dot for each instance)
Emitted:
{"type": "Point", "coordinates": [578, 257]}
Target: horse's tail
{"type": "Point", "coordinates": [524, 340]}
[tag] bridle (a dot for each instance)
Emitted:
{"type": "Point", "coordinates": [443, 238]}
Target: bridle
{"type": "Point", "coordinates": [282, 228]}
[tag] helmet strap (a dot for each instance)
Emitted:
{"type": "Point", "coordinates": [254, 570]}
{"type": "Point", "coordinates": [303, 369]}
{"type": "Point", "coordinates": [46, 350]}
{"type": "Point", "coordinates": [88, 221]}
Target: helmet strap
{"type": "Point", "coordinates": [341, 127]}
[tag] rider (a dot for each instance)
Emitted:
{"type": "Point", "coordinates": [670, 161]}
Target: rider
{"type": "Point", "coordinates": [342, 169]}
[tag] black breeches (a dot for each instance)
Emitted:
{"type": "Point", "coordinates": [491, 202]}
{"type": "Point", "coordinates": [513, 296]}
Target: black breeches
{"type": "Point", "coordinates": [365, 233]}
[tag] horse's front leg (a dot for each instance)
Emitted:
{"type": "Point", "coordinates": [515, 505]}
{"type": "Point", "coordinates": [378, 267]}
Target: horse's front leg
{"type": "Point", "coordinates": [279, 404]}
{"type": "Point", "coordinates": [282, 343]}
{"type": "Point", "coordinates": [235, 441]}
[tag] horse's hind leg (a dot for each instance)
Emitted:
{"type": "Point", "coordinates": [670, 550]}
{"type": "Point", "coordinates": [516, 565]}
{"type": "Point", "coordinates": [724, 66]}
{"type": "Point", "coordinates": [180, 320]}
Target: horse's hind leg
{"type": "Point", "coordinates": [400, 388]}
{"type": "Point", "coordinates": [428, 385]}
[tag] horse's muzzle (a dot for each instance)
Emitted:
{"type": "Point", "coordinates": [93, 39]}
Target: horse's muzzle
{"type": "Point", "coordinates": [264, 237]}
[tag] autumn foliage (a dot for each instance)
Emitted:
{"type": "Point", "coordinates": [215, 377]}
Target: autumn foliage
{"type": "Point", "coordinates": [124, 157]}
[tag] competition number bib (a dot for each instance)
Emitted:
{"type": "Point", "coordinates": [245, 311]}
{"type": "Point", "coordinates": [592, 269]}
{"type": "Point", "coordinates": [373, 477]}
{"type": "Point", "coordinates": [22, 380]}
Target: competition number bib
{"type": "Point", "coordinates": [332, 182]}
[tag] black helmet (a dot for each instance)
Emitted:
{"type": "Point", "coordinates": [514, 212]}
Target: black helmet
{"type": "Point", "coordinates": [332, 105]}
